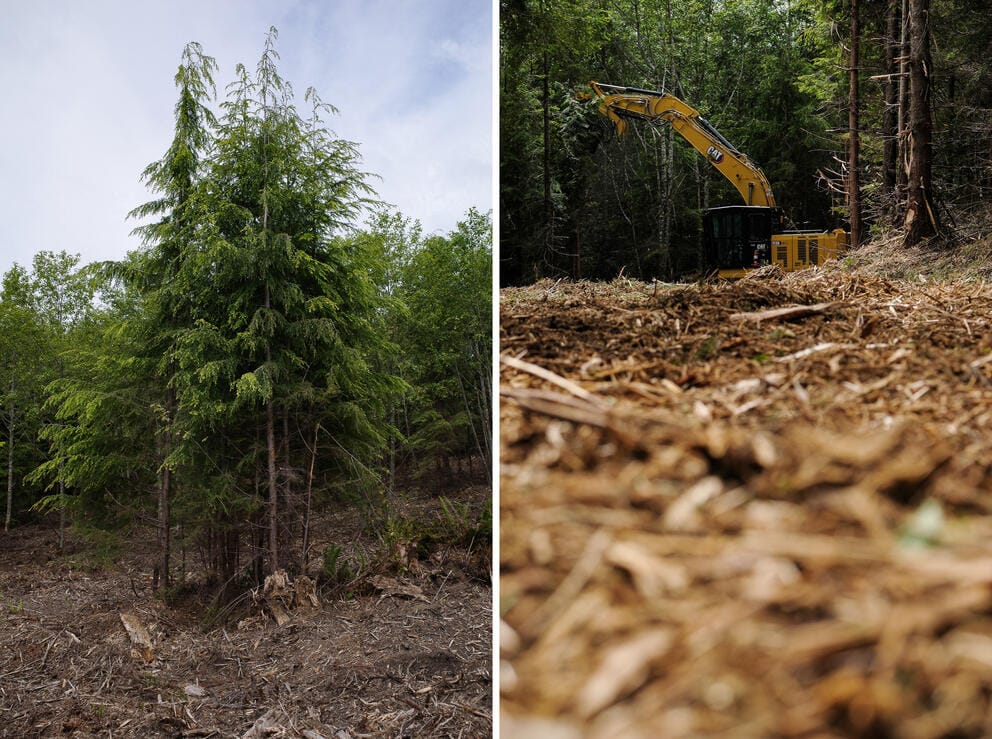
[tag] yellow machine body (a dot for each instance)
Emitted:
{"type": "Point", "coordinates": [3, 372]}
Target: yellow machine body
{"type": "Point", "coordinates": [799, 250]}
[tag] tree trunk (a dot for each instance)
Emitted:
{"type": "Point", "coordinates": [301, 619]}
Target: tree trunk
{"type": "Point", "coordinates": [270, 443]}
{"type": "Point", "coordinates": [61, 485]}
{"type": "Point", "coordinates": [270, 440]}
{"type": "Point", "coordinates": [62, 502]}
{"type": "Point", "coordinates": [548, 203]}
{"type": "Point", "coordinates": [854, 142]}
{"type": "Point", "coordinates": [920, 221]}
{"type": "Point", "coordinates": [306, 514]}
{"type": "Point", "coordinates": [663, 182]}
{"type": "Point", "coordinates": [288, 496]}
{"type": "Point", "coordinates": [164, 499]}
{"type": "Point", "coordinates": [484, 398]}
{"type": "Point", "coordinates": [10, 460]}
{"type": "Point", "coordinates": [476, 437]}
{"type": "Point", "coordinates": [391, 482]}
{"type": "Point", "coordinates": [902, 113]}
{"type": "Point", "coordinates": [164, 543]}
{"type": "Point", "coordinates": [890, 131]}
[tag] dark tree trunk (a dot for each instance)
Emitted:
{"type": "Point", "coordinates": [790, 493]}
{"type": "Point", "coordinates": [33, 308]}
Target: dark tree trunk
{"type": "Point", "coordinates": [548, 203]}
{"type": "Point", "coordinates": [10, 460]}
{"type": "Point", "coordinates": [270, 442]}
{"type": "Point", "coordinates": [288, 495]}
{"type": "Point", "coordinates": [305, 547]}
{"type": "Point", "coordinates": [62, 501]}
{"type": "Point", "coordinates": [161, 574]}
{"type": "Point", "coordinates": [920, 221]}
{"type": "Point", "coordinates": [854, 142]}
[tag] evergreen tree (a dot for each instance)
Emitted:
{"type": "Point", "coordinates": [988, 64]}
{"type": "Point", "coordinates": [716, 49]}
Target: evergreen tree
{"type": "Point", "coordinates": [155, 272]}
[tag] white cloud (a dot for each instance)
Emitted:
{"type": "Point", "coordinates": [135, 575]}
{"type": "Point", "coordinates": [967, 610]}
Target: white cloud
{"type": "Point", "coordinates": [89, 100]}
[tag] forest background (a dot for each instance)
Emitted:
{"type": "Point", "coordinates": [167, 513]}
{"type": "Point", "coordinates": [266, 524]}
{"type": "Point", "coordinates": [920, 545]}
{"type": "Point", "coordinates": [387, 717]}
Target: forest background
{"type": "Point", "coordinates": [776, 78]}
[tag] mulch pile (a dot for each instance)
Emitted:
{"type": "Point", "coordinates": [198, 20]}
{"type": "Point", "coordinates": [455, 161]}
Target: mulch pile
{"type": "Point", "coordinates": [749, 509]}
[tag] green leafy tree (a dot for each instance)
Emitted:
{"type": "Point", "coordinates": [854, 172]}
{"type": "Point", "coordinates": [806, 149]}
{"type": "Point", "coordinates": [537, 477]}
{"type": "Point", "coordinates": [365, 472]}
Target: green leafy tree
{"type": "Point", "coordinates": [60, 294]}
{"type": "Point", "coordinates": [102, 423]}
{"type": "Point", "coordinates": [438, 315]}
{"type": "Point", "coordinates": [23, 347]}
{"type": "Point", "coordinates": [447, 293]}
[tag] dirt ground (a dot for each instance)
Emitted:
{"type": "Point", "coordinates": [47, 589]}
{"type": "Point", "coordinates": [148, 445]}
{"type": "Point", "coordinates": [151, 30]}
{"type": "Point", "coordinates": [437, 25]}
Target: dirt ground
{"type": "Point", "coordinates": [750, 509]}
{"type": "Point", "coordinates": [409, 655]}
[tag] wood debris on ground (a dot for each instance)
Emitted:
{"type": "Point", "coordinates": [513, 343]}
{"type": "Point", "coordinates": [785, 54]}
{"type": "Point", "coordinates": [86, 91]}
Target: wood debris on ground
{"type": "Point", "coordinates": [141, 641]}
{"type": "Point", "coordinates": [749, 509]}
{"type": "Point", "coordinates": [87, 654]}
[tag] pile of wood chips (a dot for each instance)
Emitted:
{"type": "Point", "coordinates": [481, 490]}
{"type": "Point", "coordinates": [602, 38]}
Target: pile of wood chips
{"type": "Point", "coordinates": [750, 509]}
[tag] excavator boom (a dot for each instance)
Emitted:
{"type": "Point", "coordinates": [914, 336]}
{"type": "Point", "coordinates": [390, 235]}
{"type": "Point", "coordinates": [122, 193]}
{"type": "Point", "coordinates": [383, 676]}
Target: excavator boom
{"type": "Point", "coordinates": [621, 104]}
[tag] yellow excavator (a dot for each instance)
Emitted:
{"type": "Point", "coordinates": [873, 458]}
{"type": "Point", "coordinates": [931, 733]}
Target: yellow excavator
{"type": "Point", "coordinates": [736, 238]}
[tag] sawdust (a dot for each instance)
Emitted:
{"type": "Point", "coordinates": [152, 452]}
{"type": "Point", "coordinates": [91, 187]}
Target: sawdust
{"type": "Point", "coordinates": [751, 509]}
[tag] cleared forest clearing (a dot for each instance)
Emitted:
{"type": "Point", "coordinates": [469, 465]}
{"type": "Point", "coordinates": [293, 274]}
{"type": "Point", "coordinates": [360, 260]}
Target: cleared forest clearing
{"type": "Point", "coordinates": [394, 654]}
{"type": "Point", "coordinates": [749, 509]}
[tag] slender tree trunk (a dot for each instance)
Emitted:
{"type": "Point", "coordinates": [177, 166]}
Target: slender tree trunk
{"type": "Point", "coordinates": [668, 160]}
{"type": "Point", "coordinates": [164, 499]}
{"type": "Point", "coordinates": [663, 184]}
{"type": "Point", "coordinates": [484, 397]}
{"type": "Point", "coordinates": [391, 486]}
{"type": "Point", "coordinates": [468, 412]}
{"type": "Point", "coordinates": [890, 131]}
{"type": "Point", "coordinates": [270, 443]}
{"type": "Point", "coordinates": [288, 497]}
{"type": "Point", "coordinates": [164, 526]}
{"type": "Point", "coordinates": [62, 502]}
{"type": "Point", "coordinates": [270, 440]}
{"type": "Point", "coordinates": [902, 114]}
{"type": "Point", "coordinates": [921, 218]}
{"type": "Point", "coordinates": [270, 415]}
{"type": "Point", "coordinates": [548, 203]}
{"type": "Point", "coordinates": [10, 460]}
{"type": "Point", "coordinates": [306, 514]}
{"type": "Point", "coordinates": [854, 142]}
{"type": "Point", "coordinates": [61, 485]}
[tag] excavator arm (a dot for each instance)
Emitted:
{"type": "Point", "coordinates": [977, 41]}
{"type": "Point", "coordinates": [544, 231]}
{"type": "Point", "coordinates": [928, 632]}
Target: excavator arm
{"type": "Point", "coordinates": [621, 104]}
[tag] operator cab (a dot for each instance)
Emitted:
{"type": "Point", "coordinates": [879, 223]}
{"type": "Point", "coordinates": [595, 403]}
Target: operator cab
{"type": "Point", "coordinates": [737, 237]}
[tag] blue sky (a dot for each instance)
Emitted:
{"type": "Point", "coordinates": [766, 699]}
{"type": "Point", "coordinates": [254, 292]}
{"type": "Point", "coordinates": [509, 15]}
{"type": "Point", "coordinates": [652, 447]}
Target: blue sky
{"type": "Point", "coordinates": [88, 103]}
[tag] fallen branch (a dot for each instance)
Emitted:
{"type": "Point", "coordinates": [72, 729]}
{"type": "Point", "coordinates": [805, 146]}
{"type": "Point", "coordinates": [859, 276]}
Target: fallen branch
{"type": "Point", "coordinates": [824, 347]}
{"type": "Point", "coordinates": [793, 311]}
{"type": "Point", "coordinates": [567, 385]}
{"type": "Point", "coordinates": [557, 405]}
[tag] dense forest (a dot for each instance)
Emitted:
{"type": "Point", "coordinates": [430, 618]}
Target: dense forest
{"type": "Point", "coordinates": [868, 115]}
{"type": "Point", "coordinates": [280, 342]}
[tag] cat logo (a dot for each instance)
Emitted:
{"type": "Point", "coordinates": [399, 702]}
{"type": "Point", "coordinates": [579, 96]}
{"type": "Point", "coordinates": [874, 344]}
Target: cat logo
{"type": "Point", "coordinates": [714, 155]}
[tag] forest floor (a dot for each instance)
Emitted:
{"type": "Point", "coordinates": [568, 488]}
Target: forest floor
{"type": "Point", "coordinates": [404, 655]}
{"type": "Point", "coordinates": [749, 509]}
